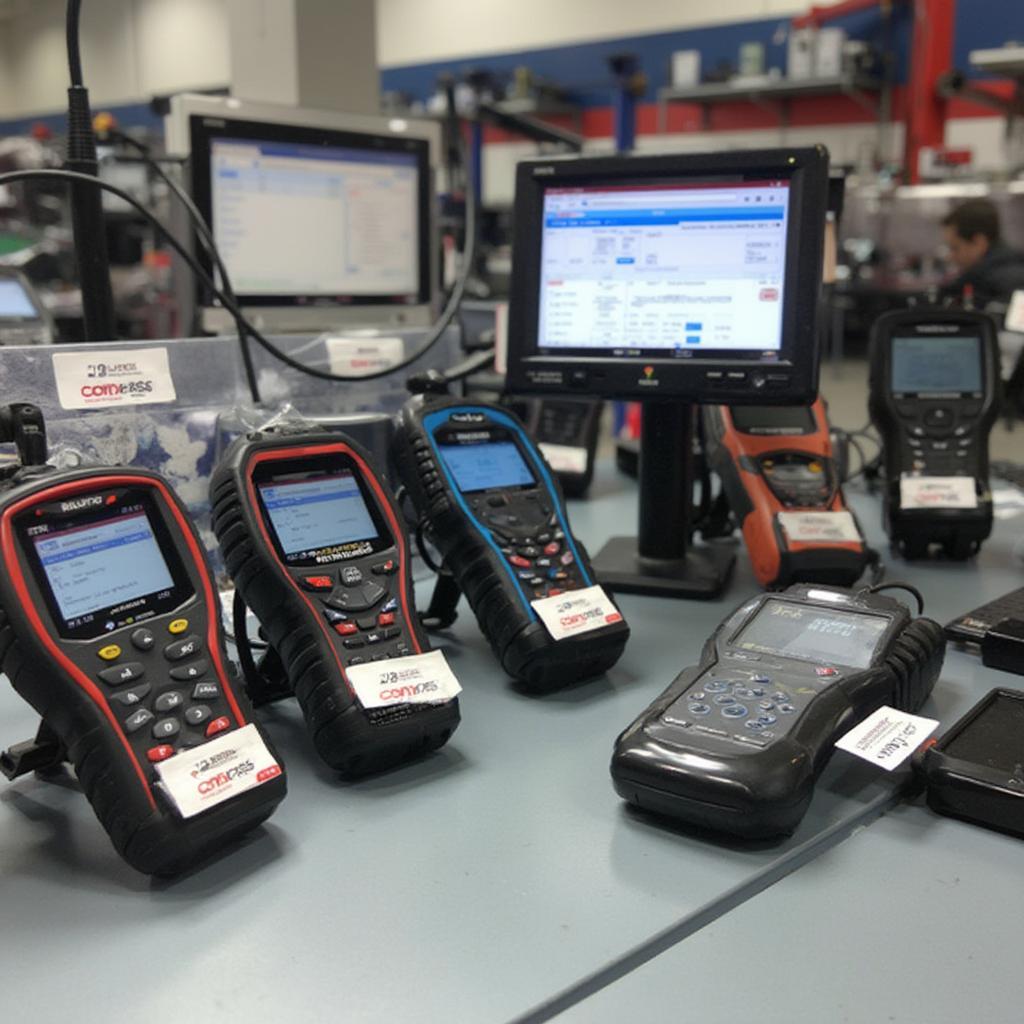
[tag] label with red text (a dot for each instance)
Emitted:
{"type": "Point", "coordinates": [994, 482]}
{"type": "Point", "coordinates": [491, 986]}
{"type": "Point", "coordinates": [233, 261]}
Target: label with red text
{"type": "Point", "coordinates": [576, 611]}
{"type": "Point", "coordinates": [100, 380]}
{"type": "Point", "coordinates": [227, 766]}
{"type": "Point", "coordinates": [415, 679]}
{"type": "Point", "coordinates": [937, 492]}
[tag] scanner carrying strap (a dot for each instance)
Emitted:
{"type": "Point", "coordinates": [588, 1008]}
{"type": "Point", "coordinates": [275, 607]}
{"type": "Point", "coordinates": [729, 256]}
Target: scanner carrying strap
{"type": "Point", "coordinates": [266, 681]}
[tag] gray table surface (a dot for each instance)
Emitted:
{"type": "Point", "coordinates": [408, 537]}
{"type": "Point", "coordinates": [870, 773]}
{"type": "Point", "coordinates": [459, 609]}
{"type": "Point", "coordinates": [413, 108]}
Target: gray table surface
{"type": "Point", "coordinates": [501, 878]}
{"type": "Point", "coordinates": [912, 921]}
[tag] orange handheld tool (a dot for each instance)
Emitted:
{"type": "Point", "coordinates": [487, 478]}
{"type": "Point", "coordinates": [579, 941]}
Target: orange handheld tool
{"type": "Point", "coordinates": [780, 478]}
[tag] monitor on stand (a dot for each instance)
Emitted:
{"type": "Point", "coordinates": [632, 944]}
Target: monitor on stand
{"type": "Point", "coordinates": [324, 220]}
{"type": "Point", "coordinates": [674, 280]}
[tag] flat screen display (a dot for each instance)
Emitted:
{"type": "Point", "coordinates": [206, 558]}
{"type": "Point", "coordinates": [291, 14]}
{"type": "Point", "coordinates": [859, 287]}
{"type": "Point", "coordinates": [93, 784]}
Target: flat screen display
{"type": "Point", "coordinates": [936, 364]}
{"type": "Point", "coordinates": [311, 512]}
{"type": "Point", "coordinates": [480, 467]}
{"type": "Point", "coordinates": [104, 564]}
{"type": "Point", "coordinates": [994, 737]}
{"type": "Point", "coordinates": [811, 633]}
{"type": "Point", "coordinates": [302, 219]}
{"type": "Point", "coordinates": [667, 269]}
{"type": "Point", "coordinates": [14, 301]}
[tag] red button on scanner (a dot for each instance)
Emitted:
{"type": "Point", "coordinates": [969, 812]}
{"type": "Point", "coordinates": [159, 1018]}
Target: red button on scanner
{"type": "Point", "coordinates": [345, 628]}
{"type": "Point", "coordinates": [522, 563]}
{"type": "Point", "coordinates": [218, 725]}
{"type": "Point", "coordinates": [386, 619]}
{"type": "Point", "coordinates": [552, 548]}
{"type": "Point", "coordinates": [160, 753]}
{"type": "Point", "coordinates": [823, 670]}
{"type": "Point", "coordinates": [318, 582]}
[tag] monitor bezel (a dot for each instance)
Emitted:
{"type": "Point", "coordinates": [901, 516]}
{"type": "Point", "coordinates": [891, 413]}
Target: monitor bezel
{"type": "Point", "coordinates": [204, 129]}
{"type": "Point", "coordinates": [793, 373]}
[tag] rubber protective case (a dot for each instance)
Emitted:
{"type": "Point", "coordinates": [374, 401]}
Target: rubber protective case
{"type": "Point", "coordinates": [351, 739]}
{"type": "Point", "coordinates": [759, 793]}
{"type": "Point", "coordinates": [517, 636]}
{"type": "Point", "coordinates": [145, 830]}
{"type": "Point", "coordinates": [737, 457]}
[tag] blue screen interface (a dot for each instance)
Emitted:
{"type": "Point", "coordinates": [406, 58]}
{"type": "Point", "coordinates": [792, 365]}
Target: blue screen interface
{"type": "Point", "coordinates": [102, 565]}
{"type": "Point", "coordinates": [481, 467]}
{"type": "Point", "coordinates": [310, 513]}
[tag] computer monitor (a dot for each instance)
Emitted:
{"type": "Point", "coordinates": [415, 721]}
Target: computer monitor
{"type": "Point", "coordinates": [323, 220]}
{"type": "Point", "coordinates": [673, 279]}
{"type": "Point", "coordinates": [682, 276]}
{"type": "Point", "coordinates": [24, 319]}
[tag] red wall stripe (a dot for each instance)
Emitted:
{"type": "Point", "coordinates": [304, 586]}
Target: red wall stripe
{"type": "Point", "coordinates": [743, 115]}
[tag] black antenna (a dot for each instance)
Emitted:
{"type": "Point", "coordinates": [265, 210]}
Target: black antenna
{"type": "Point", "coordinates": [86, 201]}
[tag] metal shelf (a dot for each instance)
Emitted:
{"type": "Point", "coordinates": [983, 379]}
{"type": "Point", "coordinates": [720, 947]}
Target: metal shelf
{"type": "Point", "coordinates": [1004, 60]}
{"type": "Point", "coordinates": [773, 93]}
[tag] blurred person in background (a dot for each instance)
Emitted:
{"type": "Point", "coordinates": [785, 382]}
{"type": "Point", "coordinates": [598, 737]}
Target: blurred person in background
{"type": "Point", "coordinates": [989, 268]}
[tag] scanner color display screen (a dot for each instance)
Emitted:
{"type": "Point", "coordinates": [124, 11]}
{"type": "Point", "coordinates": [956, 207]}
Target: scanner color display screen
{"type": "Point", "coordinates": [315, 511]}
{"type": "Point", "coordinates": [101, 565]}
{"type": "Point", "coordinates": [813, 633]}
{"type": "Point", "coordinates": [14, 301]}
{"type": "Point", "coordinates": [939, 364]}
{"type": "Point", "coordinates": [481, 467]}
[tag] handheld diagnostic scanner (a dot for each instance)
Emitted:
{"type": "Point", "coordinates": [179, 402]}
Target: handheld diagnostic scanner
{"type": "Point", "coordinates": [491, 505]}
{"type": "Point", "coordinates": [315, 545]}
{"type": "Point", "coordinates": [110, 628]}
{"type": "Point", "coordinates": [782, 484]}
{"type": "Point", "coordinates": [934, 386]}
{"type": "Point", "coordinates": [735, 743]}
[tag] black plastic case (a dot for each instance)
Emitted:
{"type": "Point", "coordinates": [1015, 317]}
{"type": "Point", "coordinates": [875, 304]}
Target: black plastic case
{"type": "Point", "coordinates": [975, 770]}
{"type": "Point", "coordinates": [914, 441]}
{"type": "Point", "coordinates": [731, 783]}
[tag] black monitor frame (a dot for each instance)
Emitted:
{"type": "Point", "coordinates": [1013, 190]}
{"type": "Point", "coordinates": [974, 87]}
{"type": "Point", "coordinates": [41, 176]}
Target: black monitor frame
{"type": "Point", "coordinates": [732, 377]}
{"type": "Point", "coordinates": [205, 130]}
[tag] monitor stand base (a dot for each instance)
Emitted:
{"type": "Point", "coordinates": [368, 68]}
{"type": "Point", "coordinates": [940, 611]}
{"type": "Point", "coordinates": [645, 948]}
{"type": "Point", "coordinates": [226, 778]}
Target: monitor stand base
{"type": "Point", "coordinates": [701, 573]}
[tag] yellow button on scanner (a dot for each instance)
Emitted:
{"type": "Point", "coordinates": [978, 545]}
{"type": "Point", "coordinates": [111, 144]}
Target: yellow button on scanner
{"type": "Point", "coordinates": [110, 652]}
{"type": "Point", "coordinates": [177, 626]}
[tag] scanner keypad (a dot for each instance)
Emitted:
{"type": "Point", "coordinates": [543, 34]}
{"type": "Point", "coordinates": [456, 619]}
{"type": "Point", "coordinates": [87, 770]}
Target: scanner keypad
{"type": "Point", "coordinates": [746, 707]}
{"type": "Point", "coordinates": [938, 435]}
{"type": "Point", "coordinates": [528, 534]}
{"type": "Point", "coordinates": [360, 604]}
{"type": "Point", "coordinates": [159, 717]}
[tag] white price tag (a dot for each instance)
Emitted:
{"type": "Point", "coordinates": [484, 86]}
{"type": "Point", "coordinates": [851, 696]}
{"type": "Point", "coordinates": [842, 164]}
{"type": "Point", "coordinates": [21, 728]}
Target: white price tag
{"type": "Point", "coordinates": [937, 492]}
{"type": "Point", "coordinates": [888, 737]}
{"type": "Point", "coordinates": [1014, 320]}
{"type": "Point", "coordinates": [230, 764]}
{"type": "Point", "coordinates": [564, 458]}
{"type": "Point", "coordinates": [417, 679]}
{"type": "Point", "coordinates": [357, 357]}
{"type": "Point", "coordinates": [819, 527]}
{"type": "Point", "coordinates": [576, 611]}
{"type": "Point", "coordinates": [97, 380]}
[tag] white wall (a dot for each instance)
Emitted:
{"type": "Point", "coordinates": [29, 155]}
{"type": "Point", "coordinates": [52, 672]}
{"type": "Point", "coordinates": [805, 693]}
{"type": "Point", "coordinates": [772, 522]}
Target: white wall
{"type": "Point", "coordinates": [419, 31]}
{"type": "Point", "coordinates": [131, 49]}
